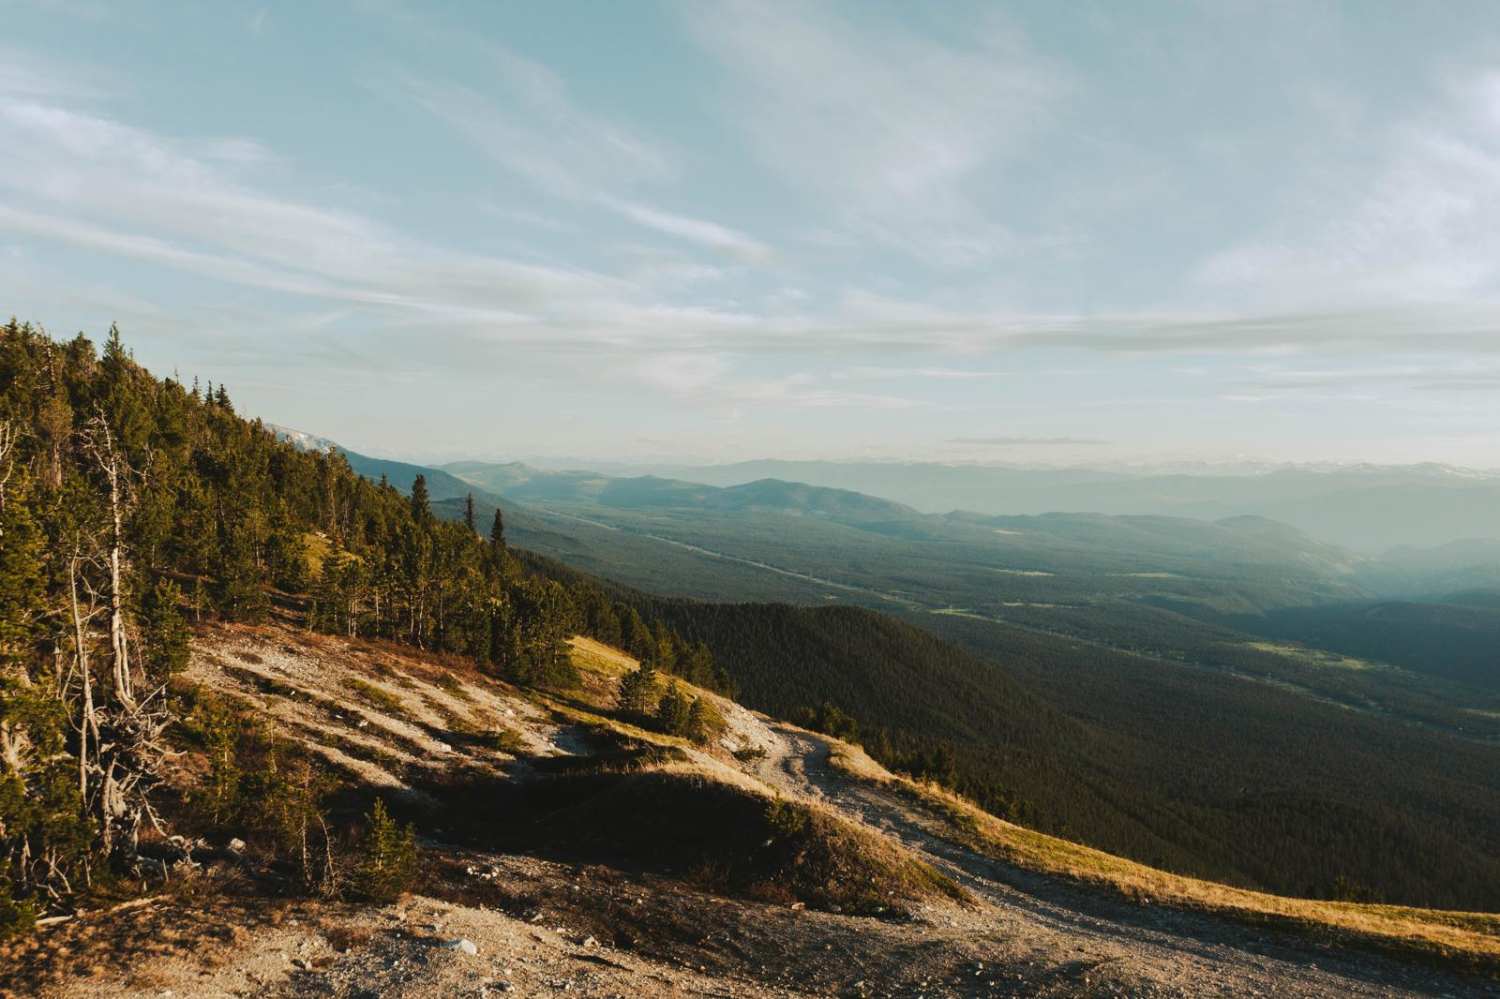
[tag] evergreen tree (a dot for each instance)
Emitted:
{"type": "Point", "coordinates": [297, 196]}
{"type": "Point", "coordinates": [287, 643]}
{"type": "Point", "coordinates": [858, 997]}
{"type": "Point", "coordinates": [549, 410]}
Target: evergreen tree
{"type": "Point", "coordinates": [664, 648]}
{"type": "Point", "coordinates": [497, 533]}
{"type": "Point", "coordinates": [704, 723]}
{"type": "Point", "coordinates": [164, 629]}
{"type": "Point", "coordinates": [638, 692]}
{"type": "Point", "coordinates": [469, 512]}
{"type": "Point", "coordinates": [388, 864]}
{"type": "Point", "coordinates": [673, 710]}
{"type": "Point", "coordinates": [697, 665]}
{"type": "Point", "coordinates": [421, 509]}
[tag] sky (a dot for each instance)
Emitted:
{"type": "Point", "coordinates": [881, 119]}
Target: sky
{"type": "Point", "coordinates": [1081, 233]}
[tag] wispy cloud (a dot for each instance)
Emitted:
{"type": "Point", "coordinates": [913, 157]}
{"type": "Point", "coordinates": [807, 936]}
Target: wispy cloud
{"type": "Point", "coordinates": [26, 75]}
{"type": "Point", "coordinates": [888, 127]}
{"type": "Point", "coordinates": [1422, 226]}
{"type": "Point", "coordinates": [712, 380]}
{"type": "Point", "coordinates": [877, 373]}
{"type": "Point", "coordinates": [710, 234]}
{"type": "Point", "coordinates": [537, 131]}
{"type": "Point", "coordinates": [1011, 441]}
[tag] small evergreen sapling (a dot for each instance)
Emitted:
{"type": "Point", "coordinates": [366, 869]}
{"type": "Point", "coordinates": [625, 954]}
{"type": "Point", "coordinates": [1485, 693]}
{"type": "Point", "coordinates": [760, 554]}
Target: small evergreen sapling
{"type": "Point", "coordinates": [388, 862]}
{"type": "Point", "coordinates": [673, 712]}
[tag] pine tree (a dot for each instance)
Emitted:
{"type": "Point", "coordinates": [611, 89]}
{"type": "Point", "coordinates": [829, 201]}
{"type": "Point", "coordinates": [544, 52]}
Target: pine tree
{"type": "Point", "coordinates": [22, 553]}
{"type": "Point", "coordinates": [704, 722]}
{"type": "Point", "coordinates": [469, 512]}
{"type": "Point", "coordinates": [497, 533]}
{"type": "Point", "coordinates": [421, 509]}
{"type": "Point", "coordinates": [164, 629]}
{"type": "Point", "coordinates": [389, 862]}
{"type": "Point", "coordinates": [697, 665]}
{"type": "Point", "coordinates": [638, 692]}
{"type": "Point", "coordinates": [672, 713]}
{"type": "Point", "coordinates": [665, 653]}
{"type": "Point", "coordinates": [635, 636]}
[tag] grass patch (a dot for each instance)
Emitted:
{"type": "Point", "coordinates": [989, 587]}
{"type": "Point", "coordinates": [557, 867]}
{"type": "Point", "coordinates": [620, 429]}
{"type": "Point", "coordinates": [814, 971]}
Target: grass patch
{"type": "Point", "coordinates": [1311, 656]}
{"type": "Point", "coordinates": [316, 549]}
{"type": "Point", "coordinates": [376, 697]}
{"type": "Point", "coordinates": [569, 713]}
{"type": "Point", "coordinates": [452, 685]}
{"type": "Point", "coordinates": [590, 656]}
{"type": "Point", "coordinates": [507, 740]}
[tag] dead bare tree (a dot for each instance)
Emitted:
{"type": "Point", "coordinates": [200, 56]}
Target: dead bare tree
{"type": "Point", "coordinates": [120, 748]}
{"type": "Point", "coordinates": [99, 442]}
{"type": "Point", "coordinates": [9, 435]}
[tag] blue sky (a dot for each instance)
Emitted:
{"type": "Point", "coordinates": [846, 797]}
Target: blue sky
{"type": "Point", "coordinates": [1040, 232]}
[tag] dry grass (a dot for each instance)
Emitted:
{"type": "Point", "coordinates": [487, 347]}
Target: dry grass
{"type": "Point", "coordinates": [378, 697]}
{"type": "Point", "coordinates": [316, 549]}
{"type": "Point", "coordinates": [1470, 938]}
{"type": "Point", "coordinates": [590, 656]}
{"type": "Point", "coordinates": [572, 713]}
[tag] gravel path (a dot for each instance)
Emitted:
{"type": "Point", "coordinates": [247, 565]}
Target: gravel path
{"type": "Point", "coordinates": [1087, 943]}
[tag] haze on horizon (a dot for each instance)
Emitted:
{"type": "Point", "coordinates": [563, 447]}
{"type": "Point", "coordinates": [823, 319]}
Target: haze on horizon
{"type": "Point", "coordinates": [1020, 233]}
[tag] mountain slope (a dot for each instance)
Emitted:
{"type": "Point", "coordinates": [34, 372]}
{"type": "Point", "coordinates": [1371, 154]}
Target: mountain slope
{"type": "Point", "coordinates": [1031, 915]}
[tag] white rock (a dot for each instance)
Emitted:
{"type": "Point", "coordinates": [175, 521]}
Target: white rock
{"type": "Point", "coordinates": [461, 944]}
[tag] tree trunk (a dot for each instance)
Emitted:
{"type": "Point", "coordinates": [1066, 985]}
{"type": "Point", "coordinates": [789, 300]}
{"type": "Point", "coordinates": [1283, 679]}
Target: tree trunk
{"type": "Point", "coordinates": [88, 722]}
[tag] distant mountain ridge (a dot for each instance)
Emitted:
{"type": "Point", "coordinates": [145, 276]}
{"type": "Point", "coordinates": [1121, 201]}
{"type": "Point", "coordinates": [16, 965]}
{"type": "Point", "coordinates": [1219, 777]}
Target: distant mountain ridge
{"type": "Point", "coordinates": [526, 484]}
{"type": "Point", "coordinates": [527, 492]}
{"type": "Point", "coordinates": [1370, 508]}
{"type": "Point", "coordinates": [401, 474]}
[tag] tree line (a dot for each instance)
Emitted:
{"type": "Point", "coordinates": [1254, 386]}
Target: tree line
{"type": "Point", "coordinates": [132, 508]}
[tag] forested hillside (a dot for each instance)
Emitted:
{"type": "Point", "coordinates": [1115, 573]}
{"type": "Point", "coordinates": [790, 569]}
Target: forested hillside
{"type": "Point", "coordinates": [131, 508]}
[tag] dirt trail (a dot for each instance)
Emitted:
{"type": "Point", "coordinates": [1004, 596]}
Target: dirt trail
{"type": "Point", "coordinates": [1097, 942]}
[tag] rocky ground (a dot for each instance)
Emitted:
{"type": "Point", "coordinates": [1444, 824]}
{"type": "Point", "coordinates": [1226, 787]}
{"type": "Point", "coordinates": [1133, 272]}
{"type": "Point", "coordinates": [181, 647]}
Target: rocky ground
{"type": "Point", "coordinates": [489, 924]}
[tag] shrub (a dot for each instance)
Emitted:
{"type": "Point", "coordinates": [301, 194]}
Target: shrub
{"type": "Point", "coordinates": [787, 819]}
{"type": "Point", "coordinates": [508, 740]}
{"type": "Point", "coordinates": [704, 722]}
{"type": "Point", "coordinates": [260, 787]}
{"type": "Point", "coordinates": [16, 917]}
